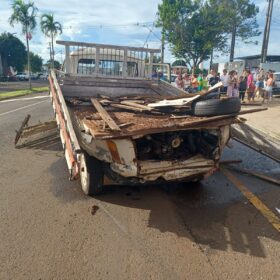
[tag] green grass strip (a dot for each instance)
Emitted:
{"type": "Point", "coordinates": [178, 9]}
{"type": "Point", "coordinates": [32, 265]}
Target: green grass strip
{"type": "Point", "coordinates": [11, 94]}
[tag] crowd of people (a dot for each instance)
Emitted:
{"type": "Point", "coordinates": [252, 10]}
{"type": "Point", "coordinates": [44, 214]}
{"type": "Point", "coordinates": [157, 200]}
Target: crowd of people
{"type": "Point", "coordinates": [251, 85]}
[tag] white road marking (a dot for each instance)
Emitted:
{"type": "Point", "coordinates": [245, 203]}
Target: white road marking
{"type": "Point", "coordinates": [21, 108]}
{"type": "Point", "coordinates": [27, 98]}
{"type": "Point", "coordinates": [116, 222]}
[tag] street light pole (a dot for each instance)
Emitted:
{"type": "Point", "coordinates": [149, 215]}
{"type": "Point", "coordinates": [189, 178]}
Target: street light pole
{"type": "Point", "coordinates": [267, 31]}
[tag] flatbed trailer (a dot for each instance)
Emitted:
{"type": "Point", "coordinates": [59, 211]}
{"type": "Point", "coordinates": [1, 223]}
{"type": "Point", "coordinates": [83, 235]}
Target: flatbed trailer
{"type": "Point", "coordinates": [131, 128]}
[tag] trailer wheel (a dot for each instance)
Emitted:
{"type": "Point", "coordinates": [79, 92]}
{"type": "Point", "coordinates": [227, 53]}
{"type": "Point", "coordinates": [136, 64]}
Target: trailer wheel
{"type": "Point", "coordinates": [91, 175]}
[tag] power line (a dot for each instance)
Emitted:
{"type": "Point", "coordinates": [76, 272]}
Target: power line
{"type": "Point", "coordinates": [101, 26]}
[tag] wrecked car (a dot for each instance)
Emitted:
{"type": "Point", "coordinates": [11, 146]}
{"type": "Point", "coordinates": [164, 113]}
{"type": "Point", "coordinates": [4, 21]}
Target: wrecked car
{"type": "Point", "coordinates": [116, 121]}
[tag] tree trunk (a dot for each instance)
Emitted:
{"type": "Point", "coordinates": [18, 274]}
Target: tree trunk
{"type": "Point", "coordinates": [28, 59]}
{"type": "Point", "coordinates": [232, 46]}
{"type": "Point", "coordinates": [52, 51]}
{"type": "Point", "coordinates": [211, 60]}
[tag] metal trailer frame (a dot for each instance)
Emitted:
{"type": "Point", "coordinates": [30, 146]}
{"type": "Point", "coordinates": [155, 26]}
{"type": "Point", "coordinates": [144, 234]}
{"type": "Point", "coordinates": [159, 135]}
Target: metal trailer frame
{"type": "Point", "coordinates": [68, 137]}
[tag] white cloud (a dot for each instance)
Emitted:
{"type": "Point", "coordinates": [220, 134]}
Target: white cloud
{"type": "Point", "coordinates": [82, 21]}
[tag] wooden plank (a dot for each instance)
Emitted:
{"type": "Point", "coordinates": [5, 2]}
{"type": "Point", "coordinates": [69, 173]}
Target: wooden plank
{"type": "Point", "coordinates": [137, 105]}
{"type": "Point", "coordinates": [233, 161]}
{"type": "Point", "coordinates": [211, 89]}
{"type": "Point", "coordinates": [174, 102]}
{"type": "Point", "coordinates": [258, 175]}
{"type": "Point", "coordinates": [183, 126]}
{"type": "Point", "coordinates": [257, 140]}
{"type": "Point", "coordinates": [19, 132]}
{"type": "Point", "coordinates": [104, 115]}
{"type": "Point", "coordinates": [126, 107]}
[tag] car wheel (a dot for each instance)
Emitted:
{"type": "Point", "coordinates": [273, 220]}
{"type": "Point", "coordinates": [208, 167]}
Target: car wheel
{"type": "Point", "coordinates": [91, 175]}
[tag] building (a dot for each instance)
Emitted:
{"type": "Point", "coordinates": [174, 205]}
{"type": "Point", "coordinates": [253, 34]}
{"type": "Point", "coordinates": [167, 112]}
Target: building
{"type": "Point", "coordinates": [254, 61]}
{"type": "Point", "coordinates": [251, 62]}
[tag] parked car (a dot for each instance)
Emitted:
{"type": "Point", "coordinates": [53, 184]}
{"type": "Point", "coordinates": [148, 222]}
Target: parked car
{"type": "Point", "coordinates": [22, 76]}
{"type": "Point", "coordinates": [34, 76]}
{"type": "Point", "coordinates": [43, 76]}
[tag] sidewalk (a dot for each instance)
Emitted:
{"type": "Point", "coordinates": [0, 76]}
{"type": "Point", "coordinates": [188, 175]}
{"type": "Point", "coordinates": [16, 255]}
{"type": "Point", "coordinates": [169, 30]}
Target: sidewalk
{"type": "Point", "coordinates": [261, 131]}
{"type": "Point", "coordinates": [267, 121]}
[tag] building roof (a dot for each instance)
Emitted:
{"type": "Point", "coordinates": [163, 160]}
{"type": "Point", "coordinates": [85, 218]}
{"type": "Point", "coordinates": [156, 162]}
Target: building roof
{"type": "Point", "coordinates": [269, 58]}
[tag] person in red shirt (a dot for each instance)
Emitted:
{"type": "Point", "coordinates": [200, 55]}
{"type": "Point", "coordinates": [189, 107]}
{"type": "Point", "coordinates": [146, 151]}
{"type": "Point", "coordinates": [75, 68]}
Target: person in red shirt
{"type": "Point", "coordinates": [250, 86]}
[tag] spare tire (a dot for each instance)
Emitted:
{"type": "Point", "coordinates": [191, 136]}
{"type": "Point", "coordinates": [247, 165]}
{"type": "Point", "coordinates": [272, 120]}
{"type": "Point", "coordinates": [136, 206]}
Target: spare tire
{"type": "Point", "coordinates": [214, 107]}
{"type": "Point", "coordinates": [212, 95]}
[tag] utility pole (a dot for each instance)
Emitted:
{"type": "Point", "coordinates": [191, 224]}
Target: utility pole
{"type": "Point", "coordinates": [267, 31]}
{"type": "Point", "coordinates": [162, 46]}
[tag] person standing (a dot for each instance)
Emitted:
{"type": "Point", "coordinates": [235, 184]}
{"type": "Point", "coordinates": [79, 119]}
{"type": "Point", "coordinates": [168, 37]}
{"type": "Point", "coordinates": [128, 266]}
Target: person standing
{"type": "Point", "coordinates": [224, 79]}
{"type": "Point", "coordinates": [242, 88]}
{"type": "Point", "coordinates": [230, 82]}
{"type": "Point", "coordinates": [194, 83]}
{"type": "Point", "coordinates": [179, 83]}
{"type": "Point", "coordinates": [210, 75]}
{"type": "Point", "coordinates": [250, 86]}
{"type": "Point", "coordinates": [258, 87]}
{"type": "Point", "coordinates": [268, 89]}
{"type": "Point", "coordinates": [214, 79]}
{"type": "Point", "coordinates": [200, 82]}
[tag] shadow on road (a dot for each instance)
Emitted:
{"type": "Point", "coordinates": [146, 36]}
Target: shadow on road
{"type": "Point", "coordinates": [212, 213]}
{"type": "Point", "coordinates": [232, 225]}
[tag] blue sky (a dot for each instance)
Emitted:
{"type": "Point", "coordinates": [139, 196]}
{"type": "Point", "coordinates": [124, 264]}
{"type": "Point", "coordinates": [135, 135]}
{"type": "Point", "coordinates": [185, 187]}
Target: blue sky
{"type": "Point", "coordinates": [109, 21]}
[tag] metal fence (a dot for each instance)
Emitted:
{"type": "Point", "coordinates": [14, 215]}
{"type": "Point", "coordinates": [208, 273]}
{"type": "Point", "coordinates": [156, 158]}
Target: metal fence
{"type": "Point", "coordinates": [88, 59]}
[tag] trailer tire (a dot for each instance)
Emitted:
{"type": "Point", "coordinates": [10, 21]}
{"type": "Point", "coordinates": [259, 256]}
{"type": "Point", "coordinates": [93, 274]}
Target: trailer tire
{"type": "Point", "coordinates": [91, 175]}
{"type": "Point", "coordinates": [214, 107]}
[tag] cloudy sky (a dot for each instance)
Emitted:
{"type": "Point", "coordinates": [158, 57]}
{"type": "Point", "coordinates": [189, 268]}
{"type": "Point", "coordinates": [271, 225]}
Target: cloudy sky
{"type": "Point", "coordinates": [126, 22]}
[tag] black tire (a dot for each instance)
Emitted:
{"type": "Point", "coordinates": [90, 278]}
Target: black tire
{"type": "Point", "coordinates": [214, 107]}
{"type": "Point", "coordinates": [212, 95]}
{"type": "Point", "coordinates": [91, 175]}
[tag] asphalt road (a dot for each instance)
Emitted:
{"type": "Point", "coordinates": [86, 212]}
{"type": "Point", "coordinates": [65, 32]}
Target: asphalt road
{"type": "Point", "coordinates": [203, 231]}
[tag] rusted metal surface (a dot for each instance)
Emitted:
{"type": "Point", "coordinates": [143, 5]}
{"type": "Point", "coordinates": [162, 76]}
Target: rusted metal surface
{"type": "Point", "coordinates": [19, 132]}
{"type": "Point", "coordinates": [38, 134]}
{"type": "Point", "coordinates": [70, 154]}
{"type": "Point", "coordinates": [64, 111]}
{"type": "Point", "coordinates": [150, 167]}
{"type": "Point", "coordinates": [257, 140]}
{"type": "Point", "coordinates": [143, 124]}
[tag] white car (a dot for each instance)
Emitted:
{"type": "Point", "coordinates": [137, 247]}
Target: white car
{"type": "Point", "coordinates": [22, 76]}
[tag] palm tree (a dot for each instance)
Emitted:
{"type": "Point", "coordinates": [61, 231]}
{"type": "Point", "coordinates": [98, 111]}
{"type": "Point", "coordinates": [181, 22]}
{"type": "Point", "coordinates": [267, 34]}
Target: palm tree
{"type": "Point", "coordinates": [51, 29]}
{"type": "Point", "coordinates": [25, 14]}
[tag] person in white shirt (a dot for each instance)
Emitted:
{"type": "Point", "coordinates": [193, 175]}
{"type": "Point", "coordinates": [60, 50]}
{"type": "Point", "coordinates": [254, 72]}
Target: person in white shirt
{"type": "Point", "coordinates": [179, 82]}
{"type": "Point", "coordinates": [224, 79]}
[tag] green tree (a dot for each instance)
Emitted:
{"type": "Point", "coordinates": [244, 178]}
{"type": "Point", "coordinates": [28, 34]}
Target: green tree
{"type": "Point", "coordinates": [13, 52]}
{"type": "Point", "coordinates": [36, 62]}
{"type": "Point", "coordinates": [24, 14]}
{"type": "Point", "coordinates": [51, 29]}
{"type": "Point", "coordinates": [193, 29]}
{"type": "Point", "coordinates": [53, 64]}
{"type": "Point", "coordinates": [241, 22]}
{"type": "Point", "coordinates": [179, 62]}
